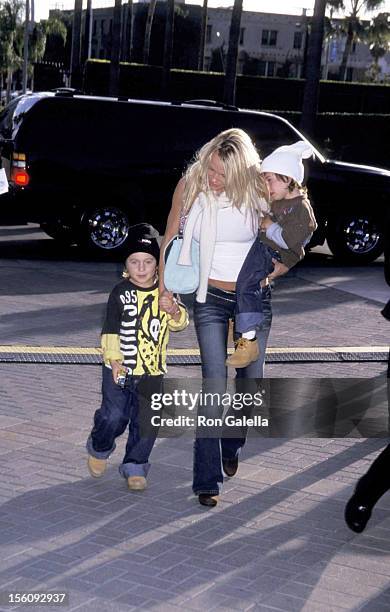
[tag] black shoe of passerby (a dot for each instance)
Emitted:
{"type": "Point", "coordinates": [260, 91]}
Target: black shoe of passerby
{"type": "Point", "coordinates": [208, 500]}
{"type": "Point", "coordinates": [230, 467]}
{"type": "Point", "coordinates": [357, 514]}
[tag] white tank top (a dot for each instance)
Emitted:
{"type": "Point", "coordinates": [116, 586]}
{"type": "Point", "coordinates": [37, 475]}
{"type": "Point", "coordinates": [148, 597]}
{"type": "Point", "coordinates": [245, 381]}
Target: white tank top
{"type": "Point", "coordinates": [236, 232]}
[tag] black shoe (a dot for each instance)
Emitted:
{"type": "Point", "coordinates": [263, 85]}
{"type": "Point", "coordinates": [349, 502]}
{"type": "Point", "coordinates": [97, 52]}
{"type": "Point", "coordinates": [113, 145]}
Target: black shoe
{"type": "Point", "coordinates": [208, 500]}
{"type": "Point", "coordinates": [230, 467]}
{"type": "Point", "coordinates": [356, 515]}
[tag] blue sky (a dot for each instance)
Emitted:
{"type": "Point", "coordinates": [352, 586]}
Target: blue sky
{"type": "Point", "coordinates": [267, 6]}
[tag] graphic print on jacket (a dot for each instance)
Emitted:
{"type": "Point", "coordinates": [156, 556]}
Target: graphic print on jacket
{"type": "Point", "coordinates": [133, 313]}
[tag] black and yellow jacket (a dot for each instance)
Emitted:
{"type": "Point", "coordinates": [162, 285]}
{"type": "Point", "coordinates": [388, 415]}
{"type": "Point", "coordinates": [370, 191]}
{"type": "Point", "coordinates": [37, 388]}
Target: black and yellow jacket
{"type": "Point", "coordinates": [136, 331]}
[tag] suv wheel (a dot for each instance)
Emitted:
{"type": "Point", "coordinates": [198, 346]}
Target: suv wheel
{"type": "Point", "coordinates": [355, 238]}
{"type": "Point", "coordinates": [106, 228]}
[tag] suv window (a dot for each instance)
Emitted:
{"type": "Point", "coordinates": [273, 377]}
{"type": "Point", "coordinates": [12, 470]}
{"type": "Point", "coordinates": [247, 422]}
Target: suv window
{"type": "Point", "coordinates": [98, 128]}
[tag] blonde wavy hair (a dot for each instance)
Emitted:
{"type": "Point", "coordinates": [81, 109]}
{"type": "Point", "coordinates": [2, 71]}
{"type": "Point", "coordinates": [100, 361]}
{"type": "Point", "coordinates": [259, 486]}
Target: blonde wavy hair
{"type": "Point", "coordinates": [244, 184]}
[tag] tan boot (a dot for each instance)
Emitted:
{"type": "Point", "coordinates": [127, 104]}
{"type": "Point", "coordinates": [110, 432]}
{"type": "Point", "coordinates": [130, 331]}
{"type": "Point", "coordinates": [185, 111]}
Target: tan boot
{"type": "Point", "coordinates": [136, 483]}
{"type": "Point", "coordinates": [96, 467]}
{"type": "Point", "coordinates": [246, 352]}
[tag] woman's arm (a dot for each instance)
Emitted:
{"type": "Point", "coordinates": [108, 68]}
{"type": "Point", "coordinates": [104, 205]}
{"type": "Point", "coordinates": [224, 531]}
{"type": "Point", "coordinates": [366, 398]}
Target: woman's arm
{"type": "Point", "coordinates": [171, 230]}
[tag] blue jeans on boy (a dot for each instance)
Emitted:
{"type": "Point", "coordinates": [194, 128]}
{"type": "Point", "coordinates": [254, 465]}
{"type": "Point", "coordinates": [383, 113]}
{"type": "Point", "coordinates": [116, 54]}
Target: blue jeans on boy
{"type": "Point", "coordinates": [257, 265]}
{"type": "Point", "coordinates": [212, 324]}
{"type": "Point", "coordinates": [120, 408]}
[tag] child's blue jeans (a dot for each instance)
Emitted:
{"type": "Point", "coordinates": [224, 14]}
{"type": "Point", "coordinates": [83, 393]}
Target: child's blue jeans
{"type": "Point", "coordinates": [257, 265]}
{"type": "Point", "coordinates": [121, 408]}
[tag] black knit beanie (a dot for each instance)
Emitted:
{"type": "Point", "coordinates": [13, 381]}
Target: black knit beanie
{"type": "Point", "coordinates": [142, 238]}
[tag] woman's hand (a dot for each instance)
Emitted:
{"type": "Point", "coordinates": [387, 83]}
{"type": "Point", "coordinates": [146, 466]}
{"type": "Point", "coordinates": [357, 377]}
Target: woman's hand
{"type": "Point", "coordinates": [116, 367]}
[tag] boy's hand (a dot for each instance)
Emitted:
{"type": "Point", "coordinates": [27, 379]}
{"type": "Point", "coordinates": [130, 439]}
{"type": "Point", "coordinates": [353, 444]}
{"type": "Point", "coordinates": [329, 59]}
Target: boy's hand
{"type": "Point", "coordinates": [265, 222]}
{"type": "Point", "coordinates": [116, 369]}
{"type": "Point", "coordinates": [279, 269]}
{"type": "Point", "coordinates": [166, 302]}
{"type": "Point", "coordinates": [170, 306]}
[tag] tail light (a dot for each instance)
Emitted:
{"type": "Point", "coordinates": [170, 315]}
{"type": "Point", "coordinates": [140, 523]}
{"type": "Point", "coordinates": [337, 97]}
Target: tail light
{"type": "Point", "coordinates": [19, 174]}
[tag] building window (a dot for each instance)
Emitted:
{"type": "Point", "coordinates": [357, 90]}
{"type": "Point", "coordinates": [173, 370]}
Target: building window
{"type": "Point", "coordinates": [298, 38]}
{"type": "Point", "coordinates": [266, 68]}
{"type": "Point", "coordinates": [101, 54]}
{"type": "Point", "coordinates": [209, 30]}
{"type": "Point", "coordinates": [102, 27]}
{"type": "Point", "coordinates": [242, 33]}
{"type": "Point", "coordinates": [270, 69]}
{"type": "Point", "coordinates": [94, 27]}
{"type": "Point", "coordinates": [110, 26]}
{"type": "Point", "coordinates": [269, 37]}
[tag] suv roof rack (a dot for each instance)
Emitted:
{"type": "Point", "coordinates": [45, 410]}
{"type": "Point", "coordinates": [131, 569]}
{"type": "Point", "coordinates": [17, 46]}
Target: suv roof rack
{"type": "Point", "coordinates": [66, 91]}
{"type": "Point", "coordinates": [213, 103]}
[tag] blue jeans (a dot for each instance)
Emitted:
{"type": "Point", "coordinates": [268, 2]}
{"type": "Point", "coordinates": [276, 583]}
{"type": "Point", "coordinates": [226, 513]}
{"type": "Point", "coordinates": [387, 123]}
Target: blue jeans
{"type": "Point", "coordinates": [212, 324]}
{"type": "Point", "coordinates": [121, 408]}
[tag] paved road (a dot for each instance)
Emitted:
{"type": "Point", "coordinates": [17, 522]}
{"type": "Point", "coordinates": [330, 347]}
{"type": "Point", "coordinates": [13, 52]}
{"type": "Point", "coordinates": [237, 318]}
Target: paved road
{"type": "Point", "coordinates": [276, 541]}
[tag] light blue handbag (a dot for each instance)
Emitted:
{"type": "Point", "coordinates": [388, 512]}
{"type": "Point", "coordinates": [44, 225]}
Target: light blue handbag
{"type": "Point", "coordinates": [180, 278]}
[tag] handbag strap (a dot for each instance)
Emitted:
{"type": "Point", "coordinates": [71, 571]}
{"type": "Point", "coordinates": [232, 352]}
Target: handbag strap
{"type": "Point", "coordinates": [182, 222]}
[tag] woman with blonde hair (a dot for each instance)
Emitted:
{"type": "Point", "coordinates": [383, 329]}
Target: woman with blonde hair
{"type": "Point", "coordinates": [219, 201]}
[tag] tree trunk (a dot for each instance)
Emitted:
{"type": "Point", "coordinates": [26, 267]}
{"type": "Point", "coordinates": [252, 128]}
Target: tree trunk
{"type": "Point", "coordinates": [115, 49]}
{"type": "Point", "coordinates": [313, 69]}
{"type": "Point", "coordinates": [75, 68]}
{"type": "Point", "coordinates": [148, 30]}
{"type": "Point", "coordinates": [229, 92]}
{"type": "Point", "coordinates": [127, 38]}
{"type": "Point", "coordinates": [26, 39]}
{"type": "Point", "coordinates": [86, 54]}
{"type": "Point", "coordinates": [202, 43]}
{"type": "Point", "coordinates": [168, 48]}
{"type": "Point", "coordinates": [10, 74]}
{"type": "Point", "coordinates": [346, 53]}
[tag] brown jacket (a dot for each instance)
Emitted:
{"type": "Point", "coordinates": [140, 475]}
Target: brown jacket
{"type": "Point", "coordinates": [296, 217]}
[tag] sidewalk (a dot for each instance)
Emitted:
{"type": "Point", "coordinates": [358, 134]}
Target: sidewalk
{"type": "Point", "coordinates": [276, 540]}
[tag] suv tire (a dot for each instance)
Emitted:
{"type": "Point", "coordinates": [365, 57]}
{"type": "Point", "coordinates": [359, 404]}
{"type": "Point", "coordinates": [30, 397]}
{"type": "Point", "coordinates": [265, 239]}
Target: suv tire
{"type": "Point", "coordinates": [355, 238]}
{"type": "Point", "coordinates": [105, 229]}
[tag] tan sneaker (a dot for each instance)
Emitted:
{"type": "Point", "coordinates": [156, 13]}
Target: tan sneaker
{"type": "Point", "coordinates": [136, 483]}
{"type": "Point", "coordinates": [96, 467]}
{"type": "Point", "coordinates": [246, 352]}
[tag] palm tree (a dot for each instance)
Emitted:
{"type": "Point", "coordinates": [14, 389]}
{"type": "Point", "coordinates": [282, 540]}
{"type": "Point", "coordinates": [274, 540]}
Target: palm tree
{"type": "Point", "coordinates": [115, 49]}
{"type": "Point", "coordinates": [313, 67]}
{"type": "Point", "coordinates": [353, 26]}
{"type": "Point", "coordinates": [229, 92]}
{"type": "Point", "coordinates": [38, 39]}
{"type": "Point", "coordinates": [378, 37]}
{"type": "Point", "coordinates": [11, 39]}
{"type": "Point", "coordinates": [202, 43]}
{"type": "Point", "coordinates": [148, 29]}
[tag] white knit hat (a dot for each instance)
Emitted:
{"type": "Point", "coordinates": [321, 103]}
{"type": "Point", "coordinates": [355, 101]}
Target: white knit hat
{"type": "Point", "coordinates": [287, 160]}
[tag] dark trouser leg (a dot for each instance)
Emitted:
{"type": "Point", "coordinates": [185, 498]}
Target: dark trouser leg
{"type": "Point", "coordinates": [376, 481]}
{"type": "Point", "coordinates": [142, 434]}
{"type": "Point", "coordinates": [248, 379]}
{"type": "Point", "coordinates": [211, 324]}
{"type": "Point", "coordinates": [111, 420]}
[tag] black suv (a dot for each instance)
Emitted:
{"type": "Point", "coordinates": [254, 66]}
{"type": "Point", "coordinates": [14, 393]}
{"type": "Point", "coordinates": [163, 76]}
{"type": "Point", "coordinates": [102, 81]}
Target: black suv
{"type": "Point", "coordinates": [87, 168]}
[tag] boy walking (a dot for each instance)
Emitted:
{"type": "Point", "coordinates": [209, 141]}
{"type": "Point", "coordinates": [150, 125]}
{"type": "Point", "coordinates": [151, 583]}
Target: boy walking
{"type": "Point", "coordinates": [134, 340]}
